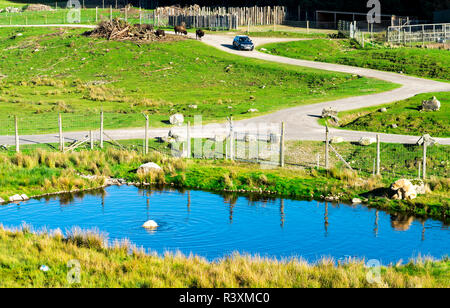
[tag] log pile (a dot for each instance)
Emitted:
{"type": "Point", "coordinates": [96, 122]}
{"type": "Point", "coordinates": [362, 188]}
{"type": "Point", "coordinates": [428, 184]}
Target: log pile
{"type": "Point", "coordinates": [121, 30]}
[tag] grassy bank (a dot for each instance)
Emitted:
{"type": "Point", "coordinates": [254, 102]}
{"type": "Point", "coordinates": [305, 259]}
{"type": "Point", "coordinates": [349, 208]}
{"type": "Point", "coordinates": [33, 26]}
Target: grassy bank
{"type": "Point", "coordinates": [22, 253]}
{"type": "Point", "coordinates": [41, 172]}
{"type": "Point", "coordinates": [407, 116]}
{"type": "Point", "coordinates": [429, 63]}
{"type": "Point", "coordinates": [50, 71]}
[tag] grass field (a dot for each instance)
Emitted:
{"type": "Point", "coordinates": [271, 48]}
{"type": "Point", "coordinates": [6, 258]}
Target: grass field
{"type": "Point", "coordinates": [429, 63]}
{"type": "Point", "coordinates": [22, 253]}
{"type": "Point", "coordinates": [47, 71]}
{"type": "Point", "coordinates": [406, 114]}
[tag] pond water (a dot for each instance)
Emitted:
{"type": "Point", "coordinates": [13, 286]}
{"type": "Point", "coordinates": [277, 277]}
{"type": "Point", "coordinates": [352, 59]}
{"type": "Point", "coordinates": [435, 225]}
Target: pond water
{"type": "Point", "coordinates": [214, 226]}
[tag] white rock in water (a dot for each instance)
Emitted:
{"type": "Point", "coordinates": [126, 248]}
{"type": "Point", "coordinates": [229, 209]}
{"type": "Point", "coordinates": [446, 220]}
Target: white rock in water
{"type": "Point", "coordinates": [15, 198]}
{"type": "Point", "coordinates": [24, 197]}
{"type": "Point", "coordinates": [2, 201]}
{"type": "Point", "coordinates": [145, 168]}
{"type": "Point", "coordinates": [151, 224]}
{"type": "Point", "coordinates": [337, 140]}
{"type": "Point", "coordinates": [356, 201]}
{"type": "Point", "coordinates": [176, 119]}
{"type": "Point", "coordinates": [367, 140]}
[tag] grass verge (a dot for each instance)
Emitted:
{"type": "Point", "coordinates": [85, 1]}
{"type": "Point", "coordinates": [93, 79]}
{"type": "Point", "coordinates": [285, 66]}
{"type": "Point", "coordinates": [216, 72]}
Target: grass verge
{"type": "Point", "coordinates": [429, 63]}
{"type": "Point", "coordinates": [403, 117]}
{"type": "Point", "coordinates": [22, 253]}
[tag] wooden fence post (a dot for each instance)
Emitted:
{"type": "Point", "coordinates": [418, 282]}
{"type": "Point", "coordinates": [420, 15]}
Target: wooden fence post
{"type": "Point", "coordinates": [378, 155]}
{"type": "Point", "coordinates": [61, 138]}
{"type": "Point", "coordinates": [16, 122]}
{"type": "Point", "coordinates": [231, 139]}
{"type": "Point", "coordinates": [188, 140]}
{"type": "Point", "coordinates": [91, 140]}
{"type": "Point", "coordinates": [282, 145]}
{"type": "Point", "coordinates": [146, 134]}
{"type": "Point", "coordinates": [424, 168]}
{"type": "Point", "coordinates": [110, 13]}
{"type": "Point", "coordinates": [101, 130]}
{"type": "Point", "coordinates": [327, 150]}
{"type": "Point", "coordinates": [96, 14]}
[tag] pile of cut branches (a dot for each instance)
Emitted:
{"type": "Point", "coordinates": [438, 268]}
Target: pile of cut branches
{"type": "Point", "coordinates": [121, 30]}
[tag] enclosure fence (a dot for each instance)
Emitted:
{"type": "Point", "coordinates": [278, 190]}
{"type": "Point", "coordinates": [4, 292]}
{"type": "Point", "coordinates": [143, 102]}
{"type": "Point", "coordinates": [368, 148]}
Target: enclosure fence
{"type": "Point", "coordinates": [96, 130]}
{"type": "Point", "coordinates": [423, 33]}
{"type": "Point", "coordinates": [350, 30]}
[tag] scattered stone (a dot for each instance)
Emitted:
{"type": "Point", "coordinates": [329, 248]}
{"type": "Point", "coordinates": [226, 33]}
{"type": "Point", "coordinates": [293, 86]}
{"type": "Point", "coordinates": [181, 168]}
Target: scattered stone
{"type": "Point", "coordinates": [427, 139]}
{"type": "Point", "coordinates": [263, 49]}
{"type": "Point", "coordinates": [356, 201]}
{"type": "Point", "coordinates": [151, 224]}
{"type": "Point", "coordinates": [193, 106]}
{"type": "Point", "coordinates": [148, 167]}
{"type": "Point", "coordinates": [2, 201]}
{"type": "Point", "coordinates": [383, 110]}
{"type": "Point", "coordinates": [252, 110]}
{"type": "Point", "coordinates": [176, 119]}
{"type": "Point", "coordinates": [15, 198]}
{"type": "Point", "coordinates": [367, 141]}
{"type": "Point", "coordinates": [337, 140]}
{"type": "Point", "coordinates": [404, 190]}
{"type": "Point", "coordinates": [230, 107]}
{"type": "Point", "coordinates": [394, 125]}
{"type": "Point", "coordinates": [24, 197]}
{"type": "Point", "coordinates": [431, 105]}
{"type": "Point", "coordinates": [44, 268]}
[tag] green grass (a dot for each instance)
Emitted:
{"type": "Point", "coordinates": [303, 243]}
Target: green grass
{"type": "Point", "coordinates": [22, 253]}
{"type": "Point", "coordinates": [406, 114]}
{"type": "Point", "coordinates": [46, 71]}
{"type": "Point", "coordinates": [429, 63]}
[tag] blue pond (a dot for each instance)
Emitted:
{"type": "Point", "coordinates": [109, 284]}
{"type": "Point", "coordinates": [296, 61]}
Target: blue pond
{"type": "Point", "coordinates": [214, 226]}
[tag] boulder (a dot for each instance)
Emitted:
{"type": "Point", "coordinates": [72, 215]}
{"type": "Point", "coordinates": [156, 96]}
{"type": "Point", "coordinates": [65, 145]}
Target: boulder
{"type": "Point", "coordinates": [383, 110]}
{"type": "Point", "coordinates": [151, 224]}
{"type": "Point", "coordinates": [329, 113]}
{"type": "Point", "coordinates": [394, 125]}
{"type": "Point", "coordinates": [403, 190]}
{"type": "Point", "coordinates": [337, 140]}
{"type": "Point", "coordinates": [176, 119]}
{"type": "Point", "coordinates": [24, 197]}
{"type": "Point", "coordinates": [2, 201]}
{"type": "Point", "coordinates": [148, 167]}
{"type": "Point", "coordinates": [420, 187]}
{"type": "Point", "coordinates": [427, 139]}
{"type": "Point", "coordinates": [252, 110]}
{"type": "Point", "coordinates": [356, 201]}
{"type": "Point", "coordinates": [431, 105]}
{"type": "Point", "coordinates": [15, 198]}
{"type": "Point", "coordinates": [366, 141]}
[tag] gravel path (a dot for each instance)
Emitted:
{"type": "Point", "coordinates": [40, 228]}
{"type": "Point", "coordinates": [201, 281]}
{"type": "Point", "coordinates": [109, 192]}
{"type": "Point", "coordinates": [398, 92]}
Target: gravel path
{"type": "Point", "coordinates": [301, 122]}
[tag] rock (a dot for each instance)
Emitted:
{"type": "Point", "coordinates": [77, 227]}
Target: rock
{"type": "Point", "coordinates": [2, 201]}
{"type": "Point", "coordinates": [337, 140]}
{"type": "Point", "coordinates": [44, 268]}
{"type": "Point", "coordinates": [383, 110]}
{"type": "Point", "coordinates": [427, 139]}
{"type": "Point", "coordinates": [420, 187]}
{"type": "Point", "coordinates": [329, 113]}
{"type": "Point", "coordinates": [148, 167]}
{"type": "Point", "coordinates": [252, 110]}
{"type": "Point", "coordinates": [15, 198]}
{"type": "Point", "coordinates": [230, 107]}
{"type": "Point", "coordinates": [263, 49]}
{"type": "Point", "coordinates": [24, 197]}
{"type": "Point", "coordinates": [176, 119]}
{"type": "Point", "coordinates": [367, 141]}
{"type": "Point", "coordinates": [394, 125]}
{"type": "Point", "coordinates": [431, 105]}
{"type": "Point", "coordinates": [356, 201]}
{"type": "Point", "coordinates": [404, 190]}
{"type": "Point", "coordinates": [193, 106]}
{"type": "Point", "coordinates": [151, 224]}
{"type": "Point", "coordinates": [12, 10]}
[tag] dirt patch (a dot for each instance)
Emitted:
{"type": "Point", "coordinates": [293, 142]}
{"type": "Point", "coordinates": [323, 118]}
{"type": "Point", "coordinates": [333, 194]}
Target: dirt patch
{"type": "Point", "coordinates": [38, 7]}
{"type": "Point", "coordinates": [120, 30]}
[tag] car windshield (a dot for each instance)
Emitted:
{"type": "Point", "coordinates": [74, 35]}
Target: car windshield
{"type": "Point", "coordinates": [245, 40]}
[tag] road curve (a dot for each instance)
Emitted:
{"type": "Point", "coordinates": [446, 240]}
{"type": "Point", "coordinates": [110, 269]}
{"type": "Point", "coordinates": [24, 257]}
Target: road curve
{"type": "Point", "coordinates": [301, 122]}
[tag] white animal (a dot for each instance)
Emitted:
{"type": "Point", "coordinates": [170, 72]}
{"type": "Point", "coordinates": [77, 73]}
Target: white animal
{"type": "Point", "coordinates": [151, 224]}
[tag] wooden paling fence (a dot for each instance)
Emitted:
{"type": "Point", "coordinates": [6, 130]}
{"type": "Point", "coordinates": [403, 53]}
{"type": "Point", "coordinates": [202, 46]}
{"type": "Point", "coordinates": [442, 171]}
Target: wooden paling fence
{"type": "Point", "coordinates": [233, 16]}
{"type": "Point", "coordinates": [222, 22]}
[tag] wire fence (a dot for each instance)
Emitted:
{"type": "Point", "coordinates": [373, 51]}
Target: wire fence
{"type": "Point", "coordinates": [94, 130]}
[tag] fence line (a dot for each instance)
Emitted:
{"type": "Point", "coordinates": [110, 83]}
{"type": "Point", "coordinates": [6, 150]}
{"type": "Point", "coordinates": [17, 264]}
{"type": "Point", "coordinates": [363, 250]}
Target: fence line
{"type": "Point", "coordinates": [439, 33]}
{"type": "Point", "coordinates": [350, 30]}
